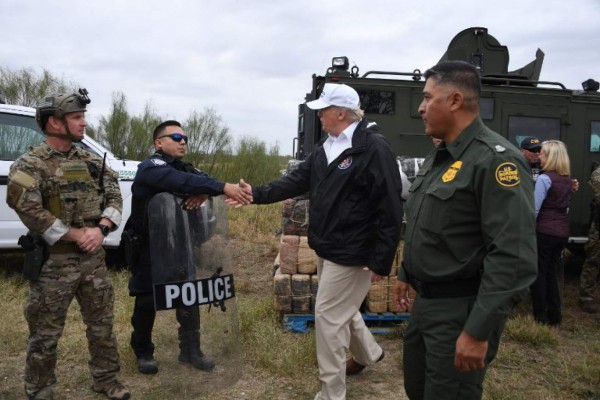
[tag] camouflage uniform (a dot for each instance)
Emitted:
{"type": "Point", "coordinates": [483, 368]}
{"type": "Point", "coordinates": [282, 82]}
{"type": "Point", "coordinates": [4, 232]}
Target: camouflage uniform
{"type": "Point", "coordinates": [590, 272]}
{"type": "Point", "coordinates": [52, 191]}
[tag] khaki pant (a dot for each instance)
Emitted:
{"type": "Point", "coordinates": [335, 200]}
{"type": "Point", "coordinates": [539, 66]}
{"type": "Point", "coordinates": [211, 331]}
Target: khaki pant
{"type": "Point", "coordinates": [340, 326]}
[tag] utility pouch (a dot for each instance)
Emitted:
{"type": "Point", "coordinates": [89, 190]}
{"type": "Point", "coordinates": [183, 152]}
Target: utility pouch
{"type": "Point", "coordinates": [36, 254]}
{"type": "Point", "coordinates": [131, 247]}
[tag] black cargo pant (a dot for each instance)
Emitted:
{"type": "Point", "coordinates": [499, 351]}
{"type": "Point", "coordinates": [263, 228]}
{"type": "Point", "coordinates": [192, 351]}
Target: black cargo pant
{"type": "Point", "coordinates": [430, 346]}
{"type": "Point", "coordinates": [143, 318]}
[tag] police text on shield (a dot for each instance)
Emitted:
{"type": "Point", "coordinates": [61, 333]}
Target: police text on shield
{"type": "Point", "coordinates": [190, 293]}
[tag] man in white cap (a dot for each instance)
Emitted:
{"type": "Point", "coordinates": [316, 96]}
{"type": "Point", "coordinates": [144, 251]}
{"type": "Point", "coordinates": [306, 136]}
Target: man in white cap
{"type": "Point", "coordinates": [355, 215]}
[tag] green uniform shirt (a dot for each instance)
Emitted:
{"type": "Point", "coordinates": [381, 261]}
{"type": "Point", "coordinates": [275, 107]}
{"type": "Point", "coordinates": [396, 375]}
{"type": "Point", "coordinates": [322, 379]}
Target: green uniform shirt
{"type": "Point", "coordinates": [471, 212]}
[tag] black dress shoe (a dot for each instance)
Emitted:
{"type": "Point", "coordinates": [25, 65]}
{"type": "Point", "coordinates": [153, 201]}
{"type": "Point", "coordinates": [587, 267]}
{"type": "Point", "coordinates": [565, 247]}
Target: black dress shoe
{"type": "Point", "coordinates": [353, 367]}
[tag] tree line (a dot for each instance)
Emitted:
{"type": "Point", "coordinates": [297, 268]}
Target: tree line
{"type": "Point", "coordinates": [211, 147]}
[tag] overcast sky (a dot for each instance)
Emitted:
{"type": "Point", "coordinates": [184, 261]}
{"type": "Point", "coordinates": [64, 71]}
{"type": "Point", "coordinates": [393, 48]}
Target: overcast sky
{"type": "Point", "coordinates": [252, 61]}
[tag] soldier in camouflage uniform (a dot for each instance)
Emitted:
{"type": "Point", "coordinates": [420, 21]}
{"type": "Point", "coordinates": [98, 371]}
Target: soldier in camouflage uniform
{"type": "Point", "coordinates": [590, 273]}
{"type": "Point", "coordinates": [67, 196]}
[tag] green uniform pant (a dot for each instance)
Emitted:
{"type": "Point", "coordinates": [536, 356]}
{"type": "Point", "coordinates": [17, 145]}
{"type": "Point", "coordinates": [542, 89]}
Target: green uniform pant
{"type": "Point", "coordinates": [590, 272]}
{"type": "Point", "coordinates": [429, 348]}
{"type": "Point", "coordinates": [64, 277]}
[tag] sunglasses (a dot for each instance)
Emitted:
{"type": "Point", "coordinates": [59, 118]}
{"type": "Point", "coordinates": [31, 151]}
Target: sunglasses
{"type": "Point", "coordinates": [176, 137]}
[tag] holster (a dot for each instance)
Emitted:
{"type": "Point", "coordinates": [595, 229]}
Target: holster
{"type": "Point", "coordinates": [131, 247]}
{"type": "Point", "coordinates": [36, 254]}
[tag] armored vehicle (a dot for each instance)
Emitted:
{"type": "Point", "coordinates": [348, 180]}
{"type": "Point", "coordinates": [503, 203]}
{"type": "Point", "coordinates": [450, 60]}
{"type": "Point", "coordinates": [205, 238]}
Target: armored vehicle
{"type": "Point", "coordinates": [515, 104]}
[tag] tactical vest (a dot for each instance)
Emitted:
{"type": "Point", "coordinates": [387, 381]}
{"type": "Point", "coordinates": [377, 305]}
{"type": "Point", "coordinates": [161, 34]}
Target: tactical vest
{"type": "Point", "coordinates": [71, 193]}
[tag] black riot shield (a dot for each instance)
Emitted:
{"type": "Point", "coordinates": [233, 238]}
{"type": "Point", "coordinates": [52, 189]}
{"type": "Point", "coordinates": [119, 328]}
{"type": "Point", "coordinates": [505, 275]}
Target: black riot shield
{"type": "Point", "coordinates": [196, 336]}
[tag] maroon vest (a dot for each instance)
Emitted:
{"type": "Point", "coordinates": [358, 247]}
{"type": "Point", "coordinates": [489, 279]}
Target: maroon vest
{"type": "Point", "coordinates": [553, 218]}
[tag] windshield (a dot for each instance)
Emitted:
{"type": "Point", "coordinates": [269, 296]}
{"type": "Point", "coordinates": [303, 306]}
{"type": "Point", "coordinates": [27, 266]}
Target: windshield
{"type": "Point", "coordinates": [17, 134]}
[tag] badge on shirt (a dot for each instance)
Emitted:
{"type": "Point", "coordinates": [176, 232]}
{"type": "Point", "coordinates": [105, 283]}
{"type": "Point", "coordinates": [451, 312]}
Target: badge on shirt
{"type": "Point", "coordinates": [345, 163]}
{"type": "Point", "coordinates": [507, 174]}
{"type": "Point", "coordinates": [158, 161]}
{"type": "Point", "coordinates": [451, 172]}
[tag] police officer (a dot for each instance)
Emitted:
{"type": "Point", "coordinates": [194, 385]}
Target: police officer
{"type": "Point", "coordinates": [68, 196]}
{"type": "Point", "coordinates": [590, 272]}
{"type": "Point", "coordinates": [164, 171]}
{"type": "Point", "coordinates": [469, 250]}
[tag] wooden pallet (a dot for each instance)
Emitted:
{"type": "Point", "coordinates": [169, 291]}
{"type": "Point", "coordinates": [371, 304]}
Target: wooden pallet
{"type": "Point", "coordinates": [377, 322]}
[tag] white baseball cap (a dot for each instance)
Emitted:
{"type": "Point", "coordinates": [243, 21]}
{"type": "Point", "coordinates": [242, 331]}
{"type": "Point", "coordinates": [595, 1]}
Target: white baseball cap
{"type": "Point", "coordinates": [336, 94]}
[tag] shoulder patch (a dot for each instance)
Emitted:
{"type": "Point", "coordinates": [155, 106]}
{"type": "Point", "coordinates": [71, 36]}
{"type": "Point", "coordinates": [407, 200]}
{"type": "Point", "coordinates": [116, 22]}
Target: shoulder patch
{"type": "Point", "coordinates": [158, 161]}
{"type": "Point", "coordinates": [23, 179]}
{"type": "Point", "coordinates": [500, 148]}
{"type": "Point", "coordinates": [507, 174]}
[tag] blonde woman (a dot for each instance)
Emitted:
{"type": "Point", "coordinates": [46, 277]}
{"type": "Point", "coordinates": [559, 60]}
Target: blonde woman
{"type": "Point", "coordinates": [553, 190]}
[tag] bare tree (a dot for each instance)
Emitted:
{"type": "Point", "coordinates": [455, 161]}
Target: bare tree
{"type": "Point", "coordinates": [209, 138]}
{"type": "Point", "coordinates": [139, 141]}
{"type": "Point", "coordinates": [25, 87]}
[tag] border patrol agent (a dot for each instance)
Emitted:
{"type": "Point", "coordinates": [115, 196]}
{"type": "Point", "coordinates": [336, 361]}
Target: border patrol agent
{"type": "Point", "coordinates": [69, 200]}
{"type": "Point", "coordinates": [469, 250]}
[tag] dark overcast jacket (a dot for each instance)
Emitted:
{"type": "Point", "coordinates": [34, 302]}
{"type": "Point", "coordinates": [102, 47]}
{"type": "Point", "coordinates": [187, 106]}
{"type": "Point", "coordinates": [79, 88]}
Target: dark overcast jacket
{"type": "Point", "coordinates": [355, 204]}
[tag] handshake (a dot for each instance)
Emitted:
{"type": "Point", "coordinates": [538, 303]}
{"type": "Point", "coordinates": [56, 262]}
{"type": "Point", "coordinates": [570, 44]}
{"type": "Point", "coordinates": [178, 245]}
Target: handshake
{"type": "Point", "coordinates": [238, 195]}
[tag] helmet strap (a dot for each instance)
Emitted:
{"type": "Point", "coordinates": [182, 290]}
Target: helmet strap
{"type": "Point", "coordinates": [69, 134]}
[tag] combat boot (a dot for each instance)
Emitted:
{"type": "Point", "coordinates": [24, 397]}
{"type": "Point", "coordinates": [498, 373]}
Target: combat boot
{"type": "Point", "coordinates": [147, 365]}
{"type": "Point", "coordinates": [198, 359]}
{"type": "Point", "coordinates": [588, 306]}
{"type": "Point", "coordinates": [46, 393]}
{"type": "Point", "coordinates": [113, 390]}
{"type": "Point", "coordinates": [190, 353]}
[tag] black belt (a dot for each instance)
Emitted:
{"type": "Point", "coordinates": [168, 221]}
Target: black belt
{"type": "Point", "coordinates": [439, 290]}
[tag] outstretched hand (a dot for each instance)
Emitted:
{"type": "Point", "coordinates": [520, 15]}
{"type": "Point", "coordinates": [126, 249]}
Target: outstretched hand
{"type": "Point", "coordinates": [238, 195]}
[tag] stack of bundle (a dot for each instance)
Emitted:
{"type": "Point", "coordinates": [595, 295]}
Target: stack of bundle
{"type": "Point", "coordinates": [294, 217]}
{"type": "Point", "coordinates": [295, 280]}
{"type": "Point", "coordinates": [381, 295]}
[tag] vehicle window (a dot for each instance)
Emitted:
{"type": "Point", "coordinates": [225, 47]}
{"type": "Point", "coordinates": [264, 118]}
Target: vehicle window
{"type": "Point", "coordinates": [542, 128]}
{"type": "Point", "coordinates": [17, 134]}
{"type": "Point", "coordinates": [595, 137]}
{"type": "Point", "coordinates": [486, 108]}
{"type": "Point", "coordinates": [377, 101]}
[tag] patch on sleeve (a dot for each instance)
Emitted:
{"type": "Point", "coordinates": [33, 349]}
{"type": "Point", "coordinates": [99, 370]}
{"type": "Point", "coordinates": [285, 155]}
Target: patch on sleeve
{"type": "Point", "coordinates": [451, 172]}
{"type": "Point", "coordinates": [158, 161]}
{"type": "Point", "coordinates": [507, 174]}
{"type": "Point", "coordinates": [23, 179]}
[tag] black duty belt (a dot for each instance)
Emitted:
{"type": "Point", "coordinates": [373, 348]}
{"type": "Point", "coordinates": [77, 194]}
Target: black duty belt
{"type": "Point", "coordinates": [439, 290]}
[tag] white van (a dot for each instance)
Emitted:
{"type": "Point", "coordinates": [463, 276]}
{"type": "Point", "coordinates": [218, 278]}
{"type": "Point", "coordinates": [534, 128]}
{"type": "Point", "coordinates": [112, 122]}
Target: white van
{"type": "Point", "coordinates": [19, 131]}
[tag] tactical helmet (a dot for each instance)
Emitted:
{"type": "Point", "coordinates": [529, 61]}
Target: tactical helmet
{"type": "Point", "coordinates": [58, 105]}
